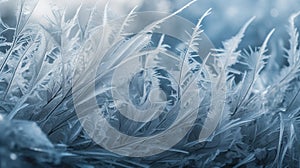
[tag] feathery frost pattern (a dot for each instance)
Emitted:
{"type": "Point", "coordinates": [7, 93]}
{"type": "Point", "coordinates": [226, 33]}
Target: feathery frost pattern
{"type": "Point", "coordinates": [56, 77]}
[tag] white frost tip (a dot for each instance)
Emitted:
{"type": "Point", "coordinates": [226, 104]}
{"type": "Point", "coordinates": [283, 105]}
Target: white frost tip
{"type": "Point", "coordinates": [13, 156]}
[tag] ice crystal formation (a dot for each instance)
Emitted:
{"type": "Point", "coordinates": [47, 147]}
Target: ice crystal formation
{"type": "Point", "coordinates": [40, 63]}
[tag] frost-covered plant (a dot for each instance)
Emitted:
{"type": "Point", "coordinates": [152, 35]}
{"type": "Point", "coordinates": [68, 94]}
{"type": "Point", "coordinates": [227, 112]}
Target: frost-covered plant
{"type": "Point", "coordinates": [39, 65]}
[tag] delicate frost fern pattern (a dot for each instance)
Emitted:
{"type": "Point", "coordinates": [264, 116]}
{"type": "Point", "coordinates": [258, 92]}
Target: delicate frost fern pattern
{"type": "Point", "coordinates": [50, 73]}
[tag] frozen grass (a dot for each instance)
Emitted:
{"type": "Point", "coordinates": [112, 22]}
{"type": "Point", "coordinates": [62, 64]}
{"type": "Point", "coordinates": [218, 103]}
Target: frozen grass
{"type": "Point", "coordinates": [259, 126]}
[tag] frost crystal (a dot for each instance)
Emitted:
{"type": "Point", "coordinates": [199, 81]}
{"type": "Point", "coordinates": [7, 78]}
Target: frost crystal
{"type": "Point", "coordinates": [88, 88]}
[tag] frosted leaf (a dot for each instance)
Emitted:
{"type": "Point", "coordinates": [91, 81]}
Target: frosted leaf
{"type": "Point", "coordinates": [21, 139]}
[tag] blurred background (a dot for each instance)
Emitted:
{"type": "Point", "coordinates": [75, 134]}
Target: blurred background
{"type": "Point", "coordinates": [225, 21]}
